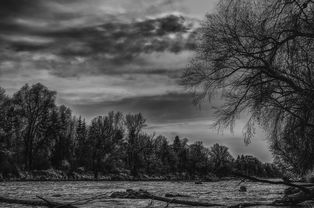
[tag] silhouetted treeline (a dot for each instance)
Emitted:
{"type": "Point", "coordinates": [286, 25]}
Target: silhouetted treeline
{"type": "Point", "coordinates": [36, 134]}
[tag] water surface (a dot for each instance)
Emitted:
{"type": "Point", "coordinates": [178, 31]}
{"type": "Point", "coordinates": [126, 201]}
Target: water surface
{"type": "Point", "coordinates": [224, 192]}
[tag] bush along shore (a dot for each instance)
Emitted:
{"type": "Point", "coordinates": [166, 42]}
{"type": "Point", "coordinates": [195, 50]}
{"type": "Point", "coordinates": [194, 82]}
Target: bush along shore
{"type": "Point", "coordinates": [11, 171]}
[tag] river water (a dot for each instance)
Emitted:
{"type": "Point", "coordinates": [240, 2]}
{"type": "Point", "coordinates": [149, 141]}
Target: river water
{"type": "Point", "coordinates": [224, 192]}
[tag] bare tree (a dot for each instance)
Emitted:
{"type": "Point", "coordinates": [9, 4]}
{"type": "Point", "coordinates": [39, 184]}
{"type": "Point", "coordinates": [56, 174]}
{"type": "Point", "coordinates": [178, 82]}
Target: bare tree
{"type": "Point", "coordinates": [32, 105]}
{"type": "Point", "coordinates": [259, 55]}
{"type": "Point", "coordinates": [220, 159]}
{"type": "Point", "coordinates": [105, 135]}
{"type": "Point", "coordinates": [134, 124]}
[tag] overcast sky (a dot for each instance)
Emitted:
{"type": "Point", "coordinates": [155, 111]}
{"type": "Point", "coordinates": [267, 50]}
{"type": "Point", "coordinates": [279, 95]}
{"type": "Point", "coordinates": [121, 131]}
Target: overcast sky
{"type": "Point", "coordinates": [126, 55]}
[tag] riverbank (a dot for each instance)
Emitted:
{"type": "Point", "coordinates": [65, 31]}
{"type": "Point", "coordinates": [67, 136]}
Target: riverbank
{"type": "Point", "coordinates": [59, 175]}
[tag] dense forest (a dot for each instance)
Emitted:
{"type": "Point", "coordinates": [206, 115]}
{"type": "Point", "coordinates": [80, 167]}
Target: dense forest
{"type": "Point", "coordinates": [36, 134]}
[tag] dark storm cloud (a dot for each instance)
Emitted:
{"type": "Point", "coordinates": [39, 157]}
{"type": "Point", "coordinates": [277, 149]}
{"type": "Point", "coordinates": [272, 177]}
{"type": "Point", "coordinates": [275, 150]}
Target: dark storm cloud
{"type": "Point", "coordinates": [121, 40]}
{"type": "Point", "coordinates": [26, 46]}
{"type": "Point", "coordinates": [38, 27]}
{"type": "Point", "coordinates": [12, 8]}
{"type": "Point", "coordinates": [73, 39]}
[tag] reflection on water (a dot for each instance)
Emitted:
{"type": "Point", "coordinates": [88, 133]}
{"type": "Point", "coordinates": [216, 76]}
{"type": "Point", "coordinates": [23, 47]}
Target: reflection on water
{"type": "Point", "coordinates": [225, 192]}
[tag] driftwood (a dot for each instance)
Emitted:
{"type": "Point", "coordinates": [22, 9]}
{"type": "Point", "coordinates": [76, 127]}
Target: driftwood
{"type": "Point", "coordinates": [306, 192]}
{"type": "Point", "coordinates": [287, 183]}
{"type": "Point", "coordinates": [43, 202]}
{"type": "Point", "coordinates": [205, 204]}
{"type": "Point", "coordinates": [183, 202]}
{"type": "Point", "coordinates": [142, 194]}
{"type": "Point", "coordinates": [256, 204]}
{"type": "Point", "coordinates": [175, 195]}
{"type": "Point", "coordinates": [295, 197]}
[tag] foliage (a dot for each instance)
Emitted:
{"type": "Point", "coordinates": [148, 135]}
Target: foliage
{"type": "Point", "coordinates": [37, 134]}
{"type": "Point", "coordinates": [220, 159]}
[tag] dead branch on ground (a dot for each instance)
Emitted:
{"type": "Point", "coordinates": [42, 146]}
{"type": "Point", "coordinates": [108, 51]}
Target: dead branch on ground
{"type": "Point", "coordinates": [43, 203]}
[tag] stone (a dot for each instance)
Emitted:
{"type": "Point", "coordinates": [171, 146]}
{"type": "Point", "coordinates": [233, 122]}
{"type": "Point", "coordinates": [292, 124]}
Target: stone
{"type": "Point", "coordinates": [243, 189]}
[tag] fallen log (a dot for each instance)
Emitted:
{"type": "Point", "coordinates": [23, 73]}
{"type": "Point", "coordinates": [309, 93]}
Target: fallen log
{"type": "Point", "coordinates": [205, 204]}
{"type": "Point", "coordinates": [256, 204]}
{"type": "Point", "coordinates": [183, 202]}
{"type": "Point", "coordinates": [297, 198]}
{"type": "Point", "coordinates": [175, 195]}
{"type": "Point", "coordinates": [293, 198]}
{"type": "Point", "coordinates": [142, 194]}
{"type": "Point", "coordinates": [43, 202]}
{"type": "Point", "coordinates": [302, 188]}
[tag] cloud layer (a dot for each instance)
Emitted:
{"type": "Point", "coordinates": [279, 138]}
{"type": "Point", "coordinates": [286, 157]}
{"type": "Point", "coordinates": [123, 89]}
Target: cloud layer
{"type": "Point", "coordinates": [53, 34]}
{"type": "Point", "coordinates": [98, 50]}
{"type": "Point", "coordinates": [103, 55]}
